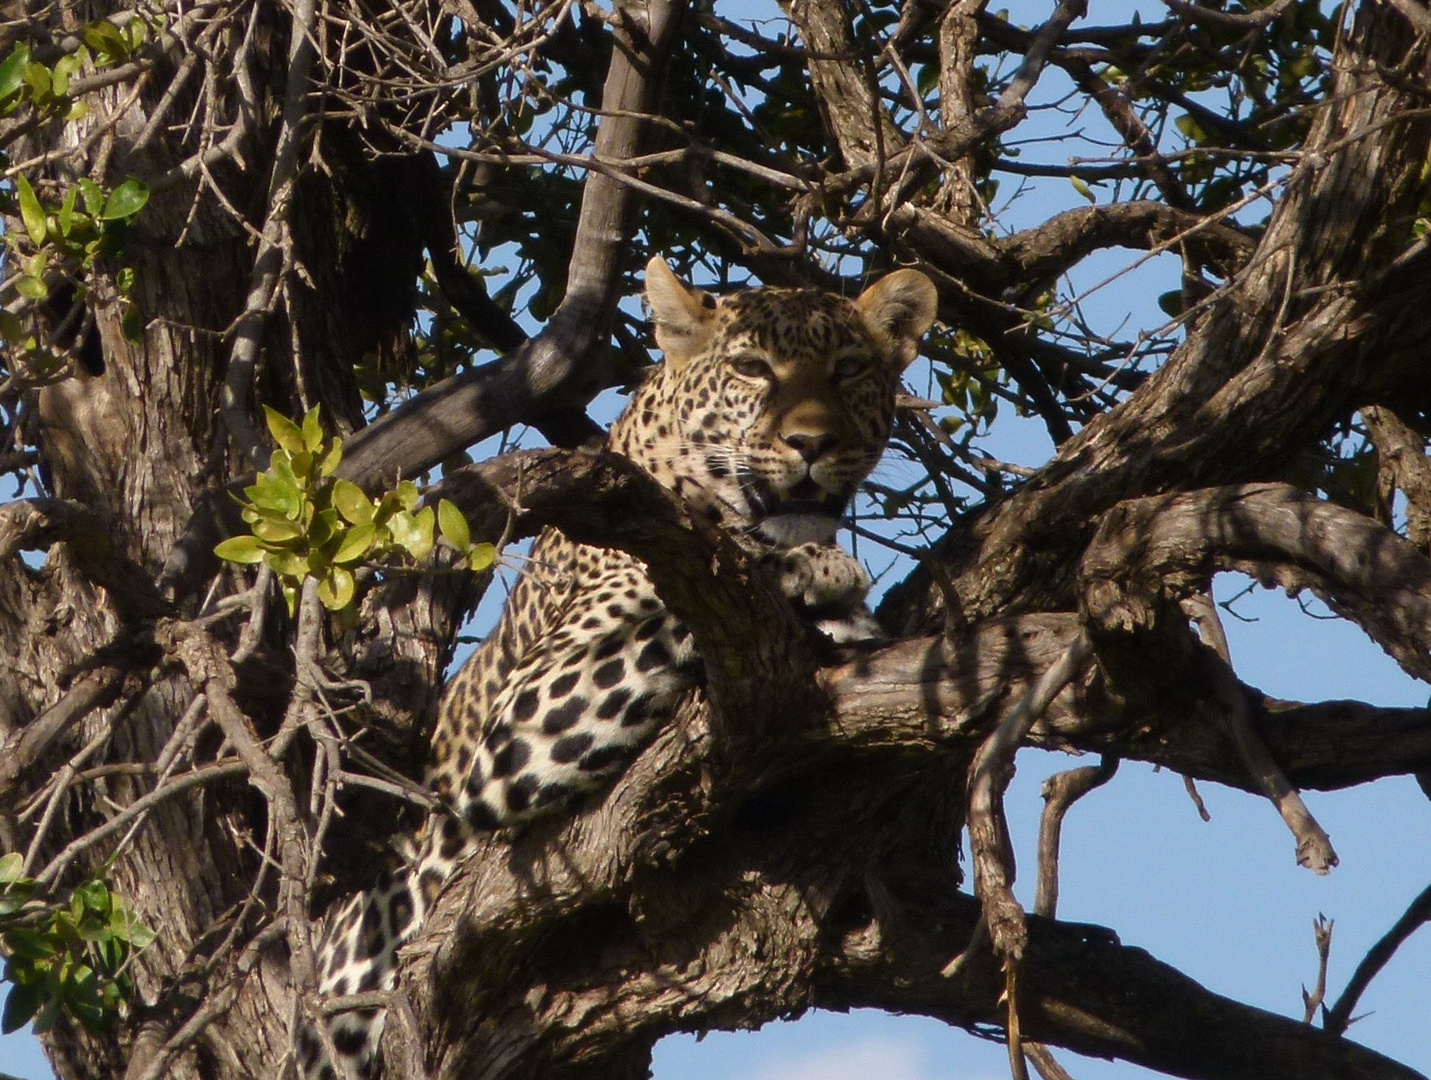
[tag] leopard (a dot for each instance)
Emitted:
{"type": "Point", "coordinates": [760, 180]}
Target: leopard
{"type": "Point", "coordinates": [771, 406]}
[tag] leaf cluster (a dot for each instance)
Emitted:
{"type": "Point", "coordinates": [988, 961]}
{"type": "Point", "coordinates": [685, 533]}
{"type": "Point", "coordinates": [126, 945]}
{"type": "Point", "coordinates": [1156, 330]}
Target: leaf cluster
{"type": "Point", "coordinates": [308, 523]}
{"type": "Point", "coordinates": [64, 957]}
{"type": "Point", "coordinates": [65, 242]}
{"type": "Point", "coordinates": [67, 227]}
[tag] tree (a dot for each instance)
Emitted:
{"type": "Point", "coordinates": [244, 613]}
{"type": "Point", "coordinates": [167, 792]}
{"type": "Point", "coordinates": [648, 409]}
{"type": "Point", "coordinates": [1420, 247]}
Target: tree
{"type": "Point", "coordinates": [219, 206]}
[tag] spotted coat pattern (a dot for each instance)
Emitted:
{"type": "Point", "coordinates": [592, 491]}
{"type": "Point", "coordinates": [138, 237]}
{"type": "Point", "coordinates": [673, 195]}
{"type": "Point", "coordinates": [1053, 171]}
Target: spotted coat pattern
{"type": "Point", "coordinates": [770, 409]}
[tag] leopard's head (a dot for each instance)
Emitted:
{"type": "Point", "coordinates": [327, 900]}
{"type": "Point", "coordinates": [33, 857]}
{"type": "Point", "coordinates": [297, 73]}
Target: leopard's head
{"type": "Point", "coordinates": [773, 404]}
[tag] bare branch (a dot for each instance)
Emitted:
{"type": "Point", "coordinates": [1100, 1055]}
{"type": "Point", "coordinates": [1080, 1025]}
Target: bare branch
{"type": "Point", "coordinates": [1322, 932]}
{"type": "Point", "coordinates": [1416, 915]}
{"type": "Point", "coordinates": [35, 524]}
{"type": "Point", "coordinates": [1314, 847]}
{"type": "Point", "coordinates": [1274, 533]}
{"type": "Point", "coordinates": [1053, 247]}
{"type": "Point", "coordinates": [989, 775]}
{"type": "Point", "coordinates": [1401, 453]}
{"type": "Point", "coordinates": [1060, 792]}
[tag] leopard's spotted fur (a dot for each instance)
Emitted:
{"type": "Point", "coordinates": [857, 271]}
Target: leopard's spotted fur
{"type": "Point", "coordinates": [771, 407]}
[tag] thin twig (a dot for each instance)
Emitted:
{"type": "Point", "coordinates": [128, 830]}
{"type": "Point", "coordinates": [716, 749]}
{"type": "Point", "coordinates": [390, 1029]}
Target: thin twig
{"type": "Point", "coordinates": [1322, 931]}
{"type": "Point", "coordinates": [176, 785]}
{"type": "Point", "coordinates": [1339, 1017]}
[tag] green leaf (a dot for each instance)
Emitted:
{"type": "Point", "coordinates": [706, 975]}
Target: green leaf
{"type": "Point", "coordinates": [245, 550]}
{"type": "Point", "coordinates": [1191, 129]}
{"type": "Point", "coordinates": [425, 522]}
{"type": "Point", "coordinates": [281, 469]}
{"type": "Point", "coordinates": [31, 211]}
{"type": "Point", "coordinates": [336, 591]}
{"type": "Point", "coordinates": [95, 896]}
{"type": "Point", "coordinates": [481, 558]}
{"type": "Point", "coordinates": [1081, 186]}
{"type": "Point", "coordinates": [11, 328]}
{"type": "Point", "coordinates": [67, 211]}
{"type": "Point", "coordinates": [408, 495]}
{"type": "Point", "coordinates": [132, 323]}
{"type": "Point", "coordinates": [31, 287]}
{"type": "Point", "coordinates": [276, 532]}
{"type": "Point", "coordinates": [78, 110]}
{"type": "Point", "coordinates": [325, 525]}
{"type": "Point", "coordinates": [65, 69]}
{"type": "Point", "coordinates": [312, 431]}
{"type": "Point", "coordinates": [273, 494]}
{"type": "Point", "coordinates": [125, 201]}
{"type": "Point", "coordinates": [328, 464]}
{"type": "Point", "coordinates": [453, 525]}
{"type": "Point", "coordinates": [349, 500]}
{"type": "Point", "coordinates": [37, 78]}
{"type": "Point", "coordinates": [104, 38]}
{"type": "Point", "coordinates": [403, 529]}
{"type": "Point", "coordinates": [20, 1007]}
{"type": "Point", "coordinates": [28, 945]}
{"type": "Point", "coordinates": [12, 71]}
{"type": "Point", "coordinates": [285, 432]}
{"type": "Point", "coordinates": [356, 544]}
{"type": "Point", "coordinates": [286, 563]}
{"type": "Point", "coordinates": [124, 278]}
{"type": "Point", "coordinates": [10, 867]}
{"type": "Point", "coordinates": [93, 196]}
{"type": "Point", "coordinates": [127, 927]}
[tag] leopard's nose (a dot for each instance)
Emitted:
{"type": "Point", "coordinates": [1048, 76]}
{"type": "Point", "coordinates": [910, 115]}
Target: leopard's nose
{"type": "Point", "coordinates": [811, 447]}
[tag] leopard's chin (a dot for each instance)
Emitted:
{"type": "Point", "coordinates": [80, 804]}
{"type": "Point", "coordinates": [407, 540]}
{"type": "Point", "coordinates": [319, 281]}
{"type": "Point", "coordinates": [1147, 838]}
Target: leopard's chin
{"type": "Point", "coordinates": [793, 526]}
{"type": "Point", "coordinates": [805, 514]}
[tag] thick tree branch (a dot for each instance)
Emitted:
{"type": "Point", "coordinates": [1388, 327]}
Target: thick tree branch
{"type": "Point", "coordinates": [1272, 532]}
{"type": "Point", "coordinates": [35, 524]}
{"type": "Point", "coordinates": [1070, 996]}
{"type": "Point", "coordinates": [928, 693]}
{"type": "Point", "coordinates": [1044, 252]}
{"type": "Point", "coordinates": [1401, 456]}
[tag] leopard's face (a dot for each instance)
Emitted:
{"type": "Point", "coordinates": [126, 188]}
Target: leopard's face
{"type": "Point", "coordinates": [773, 404]}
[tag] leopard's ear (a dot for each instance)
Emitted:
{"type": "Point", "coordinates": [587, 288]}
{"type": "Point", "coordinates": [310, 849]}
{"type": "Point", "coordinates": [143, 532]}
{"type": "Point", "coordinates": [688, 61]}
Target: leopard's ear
{"type": "Point", "coordinates": [684, 316]}
{"type": "Point", "coordinates": [900, 309]}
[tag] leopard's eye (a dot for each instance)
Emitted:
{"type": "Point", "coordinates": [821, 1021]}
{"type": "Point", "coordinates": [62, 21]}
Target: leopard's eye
{"type": "Point", "coordinates": [851, 367]}
{"type": "Point", "coordinates": [752, 367]}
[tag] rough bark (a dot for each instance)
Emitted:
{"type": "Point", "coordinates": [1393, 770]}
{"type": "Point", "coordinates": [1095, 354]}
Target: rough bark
{"type": "Point", "coordinates": [792, 839]}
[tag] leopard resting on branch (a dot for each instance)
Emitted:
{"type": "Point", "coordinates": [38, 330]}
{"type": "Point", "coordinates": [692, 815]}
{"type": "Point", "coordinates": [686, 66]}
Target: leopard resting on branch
{"type": "Point", "coordinates": [771, 407]}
